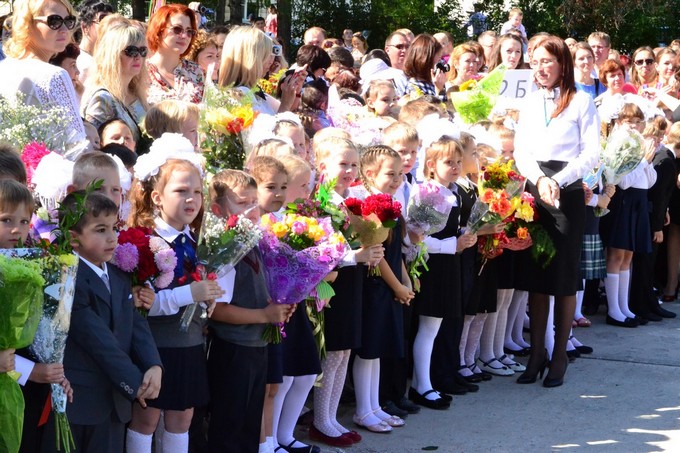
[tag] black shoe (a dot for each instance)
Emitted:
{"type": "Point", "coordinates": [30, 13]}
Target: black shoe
{"type": "Point", "coordinates": [306, 449]}
{"type": "Point", "coordinates": [524, 352]}
{"type": "Point", "coordinates": [651, 316]}
{"type": "Point", "coordinates": [484, 375]}
{"type": "Point", "coordinates": [663, 313]}
{"type": "Point", "coordinates": [573, 354]}
{"type": "Point", "coordinates": [641, 321]}
{"type": "Point", "coordinates": [393, 409]}
{"type": "Point", "coordinates": [451, 387]}
{"type": "Point", "coordinates": [583, 349]}
{"type": "Point", "coordinates": [406, 405]}
{"type": "Point", "coordinates": [528, 378]}
{"type": "Point", "coordinates": [628, 322]}
{"type": "Point", "coordinates": [438, 404]}
{"type": "Point", "coordinates": [553, 382]}
{"type": "Point", "coordinates": [460, 380]}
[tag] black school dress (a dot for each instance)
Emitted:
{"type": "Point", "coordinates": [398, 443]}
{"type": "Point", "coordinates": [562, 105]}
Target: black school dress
{"type": "Point", "coordinates": [440, 287]}
{"type": "Point", "coordinates": [382, 327]}
{"type": "Point", "coordinates": [300, 354]}
{"type": "Point", "coordinates": [343, 316]}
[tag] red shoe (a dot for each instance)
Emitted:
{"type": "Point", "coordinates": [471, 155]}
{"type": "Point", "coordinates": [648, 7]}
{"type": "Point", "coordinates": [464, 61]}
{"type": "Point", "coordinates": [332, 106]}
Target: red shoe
{"type": "Point", "coordinates": [353, 436]}
{"type": "Point", "coordinates": [340, 441]}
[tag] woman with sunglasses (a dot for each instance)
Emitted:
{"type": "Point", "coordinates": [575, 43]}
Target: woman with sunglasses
{"type": "Point", "coordinates": [557, 143]}
{"type": "Point", "coordinates": [643, 73]}
{"type": "Point", "coordinates": [117, 85]}
{"type": "Point", "coordinates": [40, 30]}
{"type": "Point", "coordinates": [172, 30]}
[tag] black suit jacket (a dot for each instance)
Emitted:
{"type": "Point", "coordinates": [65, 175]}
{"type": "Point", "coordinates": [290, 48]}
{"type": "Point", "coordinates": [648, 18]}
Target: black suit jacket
{"type": "Point", "coordinates": [660, 193]}
{"type": "Point", "coordinates": [109, 348]}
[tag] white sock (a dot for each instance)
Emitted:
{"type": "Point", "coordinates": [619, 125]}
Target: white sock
{"type": "Point", "coordinates": [277, 405]}
{"type": "Point", "coordinates": [464, 337]}
{"type": "Point", "coordinates": [422, 354]}
{"type": "Point", "coordinates": [272, 445]}
{"type": "Point", "coordinates": [338, 386]}
{"type": "Point", "coordinates": [264, 447]}
{"type": "Point", "coordinates": [324, 392]}
{"type": "Point", "coordinates": [550, 327]}
{"type": "Point", "coordinates": [292, 407]}
{"type": "Point", "coordinates": [518, 326]}
{"type": "Point", "coordinates": [575, 341]}
{"type": "Point", "coordinates": [624, 290]}
{"type": "Point", "coordinates": [579, 303]}
{"type": "Point", "coordinates": [501, 321]}
{"type": "Point", "coordinates": [474, 336]}
{"type": "Point", "coordinates": [611, 285]}
{"type": "Point", "coordinates": [362, 372]}
{"type": "Point", "coordinates": [486, 353]}
{"type": "Point", "coordinates": [137, 442]}
{"type": "Point", "coordinates": [175, 443]}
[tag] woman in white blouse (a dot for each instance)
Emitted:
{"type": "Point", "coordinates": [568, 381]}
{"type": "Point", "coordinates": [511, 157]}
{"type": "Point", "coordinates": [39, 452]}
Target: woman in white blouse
{"type": "Point", "coordinates": [40, 30]}
{"type": "Point", "coordinates": [557, 142]}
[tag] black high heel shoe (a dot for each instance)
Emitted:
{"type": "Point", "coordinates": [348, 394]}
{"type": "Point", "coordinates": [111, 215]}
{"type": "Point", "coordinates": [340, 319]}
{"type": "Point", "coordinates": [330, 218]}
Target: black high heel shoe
{"type": "Point", "coordinates": [529, 378]}
{"type": "Point", "coordinates": [550, 382]}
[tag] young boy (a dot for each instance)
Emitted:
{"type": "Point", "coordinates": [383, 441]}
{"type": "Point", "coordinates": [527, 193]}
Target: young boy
{"type": "Point", "coordinates": [173, 116]}
{"type": "Point", "coordinates": [272, 182]}
{"type": "Point", "coordinates": [237, 363]}
{"type": "Point", "coordinates": [117, 131]}
{"type": "Point", "coordinates": [97, 166]}
{"type": "Point", "coordinates": [515, 16]}
{"type": "Point", "coordinates": [403, 138]}
{"type": "Point", "coordinates": [111, 358]}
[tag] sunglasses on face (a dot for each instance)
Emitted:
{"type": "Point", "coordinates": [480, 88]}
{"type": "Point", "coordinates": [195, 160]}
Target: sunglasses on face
{"type": "Point", "coordinates": [134, 51]}
{"type": "Point", "coordinates": [400, 46]}
{"type": "Point", "coordinates": [178, 30]}
{"type": "Point", "coordinates": [646, 61]}
{"type": "Point", "coordinates": [54, 21]}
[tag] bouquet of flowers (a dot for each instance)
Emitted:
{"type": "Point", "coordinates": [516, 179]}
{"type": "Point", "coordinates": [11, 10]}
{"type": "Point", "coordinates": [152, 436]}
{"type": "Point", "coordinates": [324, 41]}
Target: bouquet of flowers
{"type": "Point", "coordinates": [372, 219]}
{"type": "Point", "coordinates": [223, 243]}
{"type": "Point", "coordinates": [21, 285]}
{"type": "Point", "coordinates": [226, 113]}
{"type": "Point", "coordinates": [271, 84]}
{"type": "Point", "coordinates": [622, 153]}
{"type": "Point", "coordinates": [146, 257]}
{"type": "Point", "coordinates": [476, 99]}
{"type": "Point", "coordinates": [347, 114]}
{"type": "Point", "coordinates": [500, 188]}
{"type": "Point", "coordinates": [24, 122]}
{"type": "Point", "coordinates": [298, 252]}
{"type": "Point", "coordinates": [427, 213]}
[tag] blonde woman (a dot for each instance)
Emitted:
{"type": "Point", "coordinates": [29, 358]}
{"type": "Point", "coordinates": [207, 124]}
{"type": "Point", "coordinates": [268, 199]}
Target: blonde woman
{"type": "Point", "coordinates": [464, 65]}
{"type": "Point", "coordinates": [117, 87]}
{"type": "Point", "coordinates": [42, 29]}
{"type": "Point", "coordinates": [246, 57]}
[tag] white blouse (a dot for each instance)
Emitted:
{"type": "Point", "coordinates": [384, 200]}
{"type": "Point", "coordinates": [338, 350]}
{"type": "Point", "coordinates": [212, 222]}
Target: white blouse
{"type": "Point", "coordinates": [43, 84]}
{"type": "Point", "coordinates": [572, 137]}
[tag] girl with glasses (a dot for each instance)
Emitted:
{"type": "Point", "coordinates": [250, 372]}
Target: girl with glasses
{"type": "Point", "coordinates": [40, 30]}
{"type": "Point", "coordinates": [171, 33]}
{"type": "Point", "coordinates": [117, 87]}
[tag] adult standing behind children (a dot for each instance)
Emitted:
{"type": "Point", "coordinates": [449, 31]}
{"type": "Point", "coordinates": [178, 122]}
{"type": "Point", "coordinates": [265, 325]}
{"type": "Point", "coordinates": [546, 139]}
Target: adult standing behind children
{"type": "Point", "coordinates": [90, 13]}
{"type": "Point", "coordinates": [396, 47]}
{"type": "Point", "coordinates": [172, 30]}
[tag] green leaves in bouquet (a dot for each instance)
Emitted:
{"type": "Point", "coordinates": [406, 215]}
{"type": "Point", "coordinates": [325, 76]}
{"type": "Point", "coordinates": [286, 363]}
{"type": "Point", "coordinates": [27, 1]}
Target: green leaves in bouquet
{"type": "Point", "coordinates": [543, 249]}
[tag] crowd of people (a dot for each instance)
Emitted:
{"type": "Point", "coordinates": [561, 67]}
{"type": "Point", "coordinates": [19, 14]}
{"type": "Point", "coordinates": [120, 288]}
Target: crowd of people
{"type": "Point", "coordinates": [132, 94]}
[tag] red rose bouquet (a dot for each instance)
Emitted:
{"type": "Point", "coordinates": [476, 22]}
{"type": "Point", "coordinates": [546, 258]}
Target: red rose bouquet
{"type": "Point", "coordinates": [372, 219]}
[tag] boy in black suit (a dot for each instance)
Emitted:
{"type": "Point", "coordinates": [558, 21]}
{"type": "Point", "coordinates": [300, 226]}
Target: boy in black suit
{"type": "Point", "coordinates": [111, 358]}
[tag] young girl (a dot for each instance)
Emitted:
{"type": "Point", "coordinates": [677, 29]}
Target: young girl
{"type": "Point", "coordinates": [382, 316]}
{"type": "Point", "coordinates": [299, 174]}
{"type": "Point", "coordinates": [381, 99]}
{"type": "Point", "coordinates": [168, 199]}
{"type": "Point", "coordinates": [626, 228]}
{"type": "Point", "coordinates": [338, 159]}
{"type": "Point", "coordinates": [293, 130]}
{"type": "Point", "coordinates": [171, 115]}
{"type": "Point", "coordinates": [440, 293]}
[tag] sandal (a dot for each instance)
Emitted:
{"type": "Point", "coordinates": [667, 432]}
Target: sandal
{"type": "Point", "coordinates": [583, 322]}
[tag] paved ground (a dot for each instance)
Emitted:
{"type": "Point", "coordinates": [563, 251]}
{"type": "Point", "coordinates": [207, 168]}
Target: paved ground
{"type": "Point", "coordinates": [622, 398]}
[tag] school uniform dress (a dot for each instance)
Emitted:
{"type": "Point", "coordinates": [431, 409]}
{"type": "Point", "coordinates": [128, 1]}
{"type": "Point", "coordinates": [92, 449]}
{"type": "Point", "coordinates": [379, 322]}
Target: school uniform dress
{"type": "Point", "coordinates": [382, 328]}
{"type": "Point", "coordinates": [564, 148]}
{"type": "Point", "coordinates": [627, 225]}
{"type": "Point", "coordinates": [237, 363]}
{"type": "Point", "coordinates": [185, 380]}
{"type": "Point", "coordinates": [440, 287]}
{"type": "Point", "coordinates": [108, 350]}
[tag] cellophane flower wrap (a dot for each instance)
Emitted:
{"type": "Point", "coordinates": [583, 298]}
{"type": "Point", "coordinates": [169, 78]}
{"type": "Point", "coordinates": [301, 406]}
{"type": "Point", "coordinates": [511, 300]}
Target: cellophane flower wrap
{"type": "Point", "coordinates": [297, 252]}
{"type": "Point", "coordinates": [372, 218]}
{"type": "Point", "coordinates": [622, 153]}
{"type": "Point", "coordinates": [476, 99]}
{"type": "Point", "coordinates": [500, 188]}
{"type": "Point", "coordinates": [427, 212]}
{"type": "Point", "coordinates": [223, 243]}
{"type": "Point", "coordinates": [21, 293]}
{"type": "Point", "coordinates": [22, 123]}
{"type": "Point", "coordinates": [226, 113]}
{"type": "Point", "coordinates": [318, 207]}
{"type": "Point", "coordinates": [59, 272]}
